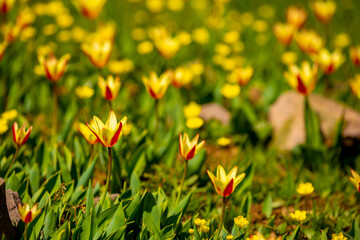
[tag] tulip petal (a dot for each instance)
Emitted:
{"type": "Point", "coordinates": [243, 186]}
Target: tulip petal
{"type": "Point", "coordinates": [191, 153]}
{"type": "Point", "coordinates": [15, 129]}
{"type": "Point", "coordinates": [115, 138]}
{"type": "Point", "coordinates": [229, 188]}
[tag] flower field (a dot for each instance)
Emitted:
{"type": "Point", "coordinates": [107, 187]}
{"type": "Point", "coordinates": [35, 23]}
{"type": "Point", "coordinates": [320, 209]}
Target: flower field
{"type": "Point", "coordinates": [179, 119]}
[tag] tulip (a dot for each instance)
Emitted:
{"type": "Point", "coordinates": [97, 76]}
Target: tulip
{"type": "Point", "coordinates": [20, 135]}
{"type": "Point", "coordinates": [355, 180]}
{"type": "Point", "coordinates": [296, 17]}
{"type": "Point", "coordinates": [11, 32]}
{"type": "Point", "coordinates": [188, 149]}
{"type": "Point", "coordinates": [167, 47]}
{"type": "Point", "coordinates": [91, 9]}
{"type": "Point", "coordinates": [89, 136]}
{"type": "Point", "coordinates": [157, 86]}
{"type": "Point", "coordinates": [25, 18]}
{"type": "Point", "coordinates": [242, 75]}
{"type": "Point", "coordinates": [284, 33]}
{"type": "Point", "coordinates": [309, 41]}
{"type": "Point", "coordinates": [302, 79]}
{"type": "Point", "coordinates": [110, 87]}
{"type": "Point", "coordinates": [98, 52]}
{"type": "Point", "coordinates": [355, 85]}
{"type": "Point", "coordinates": [108, 134]}
{"type": "Point", "coordinates": [6, 5]}
{"type": "Point", "coordinates": [182, 76]}
{"type": "Point", "coordinates": [324, 11]}
{"type": "Point", "coordinates": [225, 184]}
{"type": "Point", "coordinates": [3, 46]}
{"type": "Point", "coordinates": [54, 68]}
{"type": "Point", "coordinates": [329, 62]}
{"type": "Point", "coordinates": [28, 214]}
{"type": "Point", "coordinates": [355, 55]}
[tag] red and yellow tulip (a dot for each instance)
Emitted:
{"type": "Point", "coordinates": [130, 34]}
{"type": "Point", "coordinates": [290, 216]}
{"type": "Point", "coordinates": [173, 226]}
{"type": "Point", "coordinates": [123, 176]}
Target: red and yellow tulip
{"type": "Point", "coordinates": [355, 55]}
{"type": "Point", "coordinates": [225, 184]}
{"type": "Point", "coordinates": [89, 136]}
{"type": "Point", "coordinates": [91, 9]}
{"type": "Point", "coordinates": [309, 41]}
{"type": "Point", "coordinates": [3, 46]}
{"type": "Point", "coordinates": [302, 79]}
{"type": "Point", "coordinates": [108, 134]}
{"type": "Point", "coordinates": [98, 52]}
{"type": "Point", "coordinates": [157, 86]}
{"type": "Point", "coordinates": [241, 75]}
{"type": "Point", "coordinates": [6, 5]}
{"type": "Point", "coordinates": [329, 62]}
{"type": "Point", "coordinates": [188, 149]}
{"type": "Point", "coordinates": [324, 10]}
{"type": "Point", "coordinates": [167, 47]}
{"type": "Point", "coordinates": [181, 76]}
{"type": "Point", "coordinates": [284, 33]}
{"type": "Point", "coordinates": [296, 16]}
{"type": "Point", "coordinates": [355, 85]}
{"type": "Point", "coordinates": [21, 135]}
{"type": "Point", "coordinates": [109, 87]}
{"type": "Point", "coordinates": [28, 214]}
{"type": "Point", "coordinates": [54, 68]}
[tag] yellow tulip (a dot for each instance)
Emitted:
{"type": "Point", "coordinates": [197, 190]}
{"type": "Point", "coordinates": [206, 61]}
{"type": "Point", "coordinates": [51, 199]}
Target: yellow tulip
{"type": "Point", "coordinates": [108, 133]}
{"type": "Point", "coordinates": [98, 52]}
{"type": "Point", "coordinates": [157, 86]}
{"type": "Point", "coordinates": [89, 136]}
{"type": "Point", "coordinates": [355, 85]}
{"type": "Point", "coordinates": [3, 46]}
{"type": "Point", "coordinates": [324, 10]}
{"type": "Point", "coordinates": [188, 149]}
{"type": "Point", "coordinates": [54, 68]}
{"type": "Point", "coordinates": [21, 135]}
{"type": "Point", "coordinates": [225, 184]}
{"type": "Point", "coordinates": [296, 16]}
{"type": "Point", "coordinates": [302, 79]}
{"type": "Point", "coordinates": [309, 41]}
{"type": "Point", "coordinates": [6, 5]}
{"type": "Point", "coordinates": [329, 62]}
{"type": "Point", "coordinates": [181, 76]}
{"type": "Point", "coordinates": [284, 33]}
{"type": "Point", "coordinates": [167, 47]}
{"type": "Point", "coordinates": [91, 9]}
{"type": "Point", "coordinates": [110, 87]}
{"type": "Point", "coordinates": [241, 75]}
{"type": "Point", "coordinates": [28, 214]}
{"type": "Point", "coordinates": [355, 180]}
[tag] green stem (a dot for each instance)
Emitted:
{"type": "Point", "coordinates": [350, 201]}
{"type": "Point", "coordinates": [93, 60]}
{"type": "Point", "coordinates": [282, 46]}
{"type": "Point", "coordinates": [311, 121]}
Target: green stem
{"type": "Point", "coordinates": [109, 169]}
{"type": "Point", "coordinates": [91, 154]}
{"type": "Point", "coordinates": [182, 182]}
{"type": "Point", "coordinates": [157, 118]}
{"type": "Point", "coordinates": [25, 234]}
{"type": "Point", "coordinates": [12, 162]}
{"type": "Point", "coordinates": [54, 130]}
{"type": "Point", "coordinates": [222, 218]}
{"type": "Point", "coordinates": [110, 105]}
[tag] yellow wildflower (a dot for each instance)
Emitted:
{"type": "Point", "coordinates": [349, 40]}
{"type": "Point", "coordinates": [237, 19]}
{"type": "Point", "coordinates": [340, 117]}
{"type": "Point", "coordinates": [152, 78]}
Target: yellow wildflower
{"type": "Point", "coordinates": [305, 188]}
{"type": "Point", "coordinates": [298, 215]}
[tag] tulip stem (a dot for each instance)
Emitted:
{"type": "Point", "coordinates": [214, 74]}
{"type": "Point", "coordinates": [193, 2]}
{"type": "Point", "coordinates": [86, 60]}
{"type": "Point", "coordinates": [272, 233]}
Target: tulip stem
{"type": "Point", "coordinates": [156, 119]}
{"type": "Point", "coordinates": [55, 110]}
{"type": "Point", "coordinates": [222, 217]}
{"type": "Point", "coordinates": [109, 169]}
{"type": "Point", "coordinates": [110, 105]}
{"type": "Point", "coordinates": [25, 234]}
{"type": "Point", "coordinates": [182, 183]}
{"type": "Point", "coordinates": [12, 162]}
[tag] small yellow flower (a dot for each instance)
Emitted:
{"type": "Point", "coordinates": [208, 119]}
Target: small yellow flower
{"type": "Point", "coordinates": [109, 88]}
{"type": "Point", "coordinates": [108, 133]}
{"type": "Point", "coordinates": [9, 115]}
{"type": "Point", "coordinates": [191, 231]}
{"type": "Point", "coordinates": [342, 40]}
{"type": "Point", "coordinates": [241, 222]}
{"type": "Point", "coordinates": [296, 16]}
{"type": "Point", "coordinates": [231, 37]}
{"type": "Point", "coordinates": [201, 36]}
{"type": "Point", "coordinates": [175, 5]}
{"type": "Point", "coordinates": [64, 20]}
{"type": "Point", "coordinates": [223, 141]}
{"type": "Point", "coordinates": [197, 68]}
{"type": "Point", "coordinates": [355, 180]}
{"type": "Point", "coordinates": [192, 110]}
{"type": "Point", "coordinates": [324, 10]}
{"type": "Point", "coordinates": [305, 188]}
{"type": "Point", "coordinates": [339, 236]}
{"type": "Point", "coordinates": [84, 92]}
{"type": "Point", "coordinates": [138, 34]}
{"type": "Point", "coordinates": [184, 38]}
{"type": "Point", "coordinates": [298, 215]}
{"type": "Point", "coordinates": [222, 49]}
{"type": "Point", "coordinates": [194, 122]}
{"type": "Point", "coordinates": [155, 6]}
{"type": "Point", "coordinates": [229, 237]}
{"type": "Point", "coordinates": [28, 214]}
{"type": "Point", "coordinates": [89, 136]}
{"type": "Point", "coordinates": [225, 184]}
{"type": "Point", "coordinates": [145, 47]}
{"type": "Point", "coordinates": [199, 222]}
{"type": "Point", "coordinates": [288, 58]}
{"type": "Point", "coordinates": [3, 126]}
{"type": "Point", "coordinates": [49, 29]}
{"type": "Point", "coordinates": [157, 86]}
{"type": "Point", "coordinates": [230, 90]}
{"type": "Point", "coordinates": [121, 67]}
{"type": "Point", "coordinates": [126, 129]}
{"type": "Point", "coordinates": [204, 228]}
{"type": "Point", "coordinates": [260, 26]}
{"type": "Point", "coordinates": [188, 149]}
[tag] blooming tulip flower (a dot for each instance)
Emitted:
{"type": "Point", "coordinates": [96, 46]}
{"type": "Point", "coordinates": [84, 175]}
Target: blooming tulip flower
{"type": "Point", "coordinates": [91, 9]}
{"type": "Point", "coordinates": [355, 85]}
{"type": "Point", "coordinates": [181, 76]}
{"type": "Point", "coordinates": [110, 87]}
{"type": "Point", "coordinates": [6, 5]}
{"type": "Point", "coordinates": [157, 86]}
{"type": "Point", "coordinates": [355, 55]}
{"type": "Point", "coordinates": [355, 180]}
{"type": "Point", "coordinates": [167, 47]}
{"type": "Point", "coordinates": [309, 41]}
{"type": "Point", "coordinates": [284, 33]}
{"type": "Point", "coordinates": [108, 133]}
{"type": "Point", "coordinates": [54, 68]}
{"type": "Point", "coordinates": [89, 136]}
{"type": "Point", "coordinates": [225, 184]}
{"type": "Point", "coordinates": [296, 16]}
{"type": "Point", "coordinates": [28, 214]}
{"type": "Point", "coordinates": [302, 79]}
{"type": "Point", "coordinates": [329, 62]}
{"type": "Point", "coordinates": [324, 10]}
{"type": "Point", "coordinates": [188, 149]}
{"type": "Point", "coordinates": [20, 135]}
{"type": "Point", "coordinates": [241, 76]}
{"type": "Point", "coordinates": [3, 46]}
{"type": "Point", "coordinates": [98, 52]}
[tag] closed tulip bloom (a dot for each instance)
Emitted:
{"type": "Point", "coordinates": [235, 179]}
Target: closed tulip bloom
{"type": "Point", "coordinates": [296, 16]}
{"type": "Point", "coordinates": [329, 62]}
{"type": "Point", "coordinates": [225, 184]}
{"type": "Point", "coordinates": [302, 79]}
{"type": "Point", "coordinates": [157, 86]}
{"type": "Point", "coordinates": [324, 10]}
{"type": "Point", "coordinates": [21, 135]}
{"type": "Point", "coordinates": [241, 75]}
{"type": "Point", "coordinates": [110, 87]}
{"type": "Point", "coordinates": [167, 47]}
{"type": "Point", "coordinates": [89, 136]}
{"type": "Point", "coordinates": [188, 149]}
{"type": "Point", "coordinates": [6, 5]}
{"type": "Point", "coordinates": [54, 68]}
{"type": "Point", "coordinates": [108, 133]}
{"type": "Point", "coordinates": [91, 9]}
{"type": "Point", "coordinates": [355, 85]}
{"type": "Point", "coordinates": [181, 76]}
{"type": "Point", "coordinates": [98, 52]}
{"type": "Point", "coordinates": [355, 180]}
{"type": "Point", "coordinates": [28, 214]}
{"type": "Point", "coordinates": [309, 41]}
{"type": "Point", "coordinates": [284, 33]}
{"type": "Point", "coordinates": [355, 55]}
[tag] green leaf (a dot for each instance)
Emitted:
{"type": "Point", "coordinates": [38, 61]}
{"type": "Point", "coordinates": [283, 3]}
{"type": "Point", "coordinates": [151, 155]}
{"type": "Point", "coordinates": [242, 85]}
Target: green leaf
{"type": "Point", "coordinates": [34, 177]}
{"type": "Point", "coordinates": [152, 214]}
{"type": "Point", "coordinates": [296, 234]}
{"type": "Point", "coordinates": [49, 223]}
{"type": "Point", "coordinates": [247, 181]}
{"type": "Point", "coordinates": [312, 126]}
{"type": "Point", "coordinates": [267, 207]}
{"type": "Point", "coordinates": [134, 184]}
{"type": "Point", "coordinates": [89, 199]}
{"type": "Point", "coordinates": [83, 180]}
{"type": "Point", "coordinates": [118, 220]}
{"type": "Point", "coordinates": [13, 182]}
{"type": "Point", "coordinates": [196, 163]}
{"type": "Point", "coordinates": [89, 226]}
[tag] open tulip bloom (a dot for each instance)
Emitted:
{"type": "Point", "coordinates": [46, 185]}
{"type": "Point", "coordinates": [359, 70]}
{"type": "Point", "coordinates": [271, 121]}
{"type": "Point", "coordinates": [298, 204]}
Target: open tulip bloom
{"type": "Point", "coordinates": [54, 68]}
{"type": "Point", "coordinates": [355, 180]}
{"type": "Point", "coordinates": [188, 149]}
{"type": "Point", "coordinates": [28, 214]}
{"type": "Point", "coordinates": [89, 136]}
{"type": "Point", "coordinates": [20, 135]}
{"type": "Point", "coordinates": [109, 87]}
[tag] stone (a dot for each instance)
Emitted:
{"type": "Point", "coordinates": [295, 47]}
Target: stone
{"type": "Point", "coordinates": [215, 111]}
{"type": "Point", "coordinates": [286, 116]}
